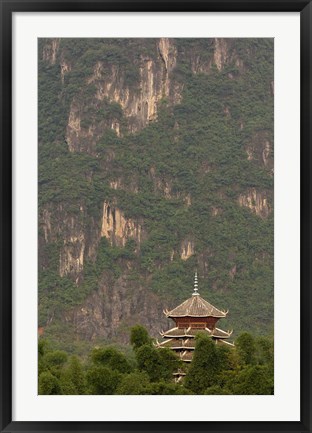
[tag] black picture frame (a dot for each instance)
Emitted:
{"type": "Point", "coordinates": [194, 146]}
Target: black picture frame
{"type": "Point", "coordinates": [7, 9]}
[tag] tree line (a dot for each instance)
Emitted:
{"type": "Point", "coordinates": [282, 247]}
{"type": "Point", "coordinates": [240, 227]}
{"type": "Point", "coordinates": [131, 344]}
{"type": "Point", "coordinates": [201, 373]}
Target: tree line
{"type": "Point", "coordinates": [246, 369]}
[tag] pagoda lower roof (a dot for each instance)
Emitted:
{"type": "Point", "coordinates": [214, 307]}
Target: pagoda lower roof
{"type": "Point", "coordinates": [186, 356]}
{"type": "Point", "coordinates": [192, 332]}
{"type": "Point", "coordinates": [185, 343]}
{"type": "Point", "coordinates": [174, 343]}
{"type": "Point", "coordinates": [179, 373]}
{"type": "Point", "coordinates": [185, 349]}
{"type": "Point", "coordinates": [226, 343]}
{"type": "Point", "coordinates": [195, 306]}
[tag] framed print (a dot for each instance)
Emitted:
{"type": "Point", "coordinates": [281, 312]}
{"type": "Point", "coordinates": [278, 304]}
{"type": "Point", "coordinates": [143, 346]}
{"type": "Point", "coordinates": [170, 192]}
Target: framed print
{"type": "Point", "coordinates": [155, 216]}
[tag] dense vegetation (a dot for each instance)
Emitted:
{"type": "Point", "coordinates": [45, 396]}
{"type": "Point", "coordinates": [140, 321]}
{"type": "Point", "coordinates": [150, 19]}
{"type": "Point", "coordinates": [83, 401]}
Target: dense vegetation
{"type": "Point", "coordinates": [247, 369]}
{"type": "Point", "coordinates": [198, 147]}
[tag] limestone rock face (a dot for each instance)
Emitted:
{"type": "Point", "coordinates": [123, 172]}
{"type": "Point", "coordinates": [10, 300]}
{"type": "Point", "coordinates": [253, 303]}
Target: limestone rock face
{"type": "Point", "coordinates": [117, 228]}
{"type": "Point", "coordinates": [81, 137]}
{"type": "Point", "coordinates": [109, 312]}
{"type": "Point", "coordinates": [98, 101]}
{"type": "Point", "coordinates": [220, 53]}
{"type": "Point", "coordinates": [256, 201]}
{"type": "Point", "coordinates": [65, 69]}
{"type": "Point", "coordinates": [225, 54]}
{"type": "Point", "coordinates": [77, 235]}
{"type": "Point", "coordinates": [199, 65]}
{"type": "Point", "coordinates": [50, 51]}
{"type": "Point", "coordinates": [168, 53]}
{"type": "Point", "coordinates": [160, 183]}
{"type": "Point", "coordinates": [187, 249]}
{"type": "Point", "coordinates": [260, 149]}
{"type": "Point", "coordinates": [68, 232]}
{"type": "Point", "coordinates": [121, 184]}
{"type": "Point", "coordinates": [139, 104]}
{"type": "Point", "coordinates": [72, 255]}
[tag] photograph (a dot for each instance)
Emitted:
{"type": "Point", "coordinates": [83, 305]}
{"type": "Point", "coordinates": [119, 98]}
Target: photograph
{"type": "Point", "coordinates": [155, 216]}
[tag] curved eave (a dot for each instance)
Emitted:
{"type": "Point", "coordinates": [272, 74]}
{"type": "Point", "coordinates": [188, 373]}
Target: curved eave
{"type": "Point", "coordinates": [185, 333]}
{"type": "Point", "coordinates": [181, 348]}
{"type": "Point", "coordinates": [227, 343]}
{"type": "Point", "coordinates": [171, 316]}
{"type": "Point", "coordinates": [164, 345]}
{"type": "Point", "coordinates": [156, 343]}
{"type": "Point", "coordinates": [220, 337]}
{"type": "Point", "coordinates": [178, 334]}
{"type": "Point", "coordinates": [226, 334]}
{"type": "Point", "coordinates": [166, 313]}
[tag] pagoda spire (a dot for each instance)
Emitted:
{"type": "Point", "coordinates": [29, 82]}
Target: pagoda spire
{"type": "Point", "coordinates": [195, 293]}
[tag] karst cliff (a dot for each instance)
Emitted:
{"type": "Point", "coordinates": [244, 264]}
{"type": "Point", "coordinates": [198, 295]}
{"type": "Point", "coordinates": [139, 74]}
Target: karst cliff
{"type": "Point", "coordinates": [155, 158]}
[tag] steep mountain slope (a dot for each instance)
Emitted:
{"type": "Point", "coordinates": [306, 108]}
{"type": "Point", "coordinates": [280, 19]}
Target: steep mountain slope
{"type": "Point", "coordinates": [155, 158]}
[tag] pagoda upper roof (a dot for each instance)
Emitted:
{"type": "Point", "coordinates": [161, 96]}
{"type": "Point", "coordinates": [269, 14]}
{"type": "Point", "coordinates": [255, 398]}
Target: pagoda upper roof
{"type": "Point", "coordinates": [195, 306]}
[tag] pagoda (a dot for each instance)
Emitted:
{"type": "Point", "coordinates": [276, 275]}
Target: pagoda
{"type": "Point", "coordinates": [192, 316]}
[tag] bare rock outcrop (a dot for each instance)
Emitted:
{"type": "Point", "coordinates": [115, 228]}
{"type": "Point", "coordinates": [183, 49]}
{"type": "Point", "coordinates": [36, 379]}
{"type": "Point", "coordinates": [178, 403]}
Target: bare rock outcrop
{"type": "Point", "coordinates": [187, 249]}
{"type": "Point", "coordinates": [139, 103]}
{"type": "Point", "coordinates": [68, 231]}
{"type": "Point", "coordinates": [109, 312]}
{"type": "Point", "coordinates": [256, 201]}
{"type": "Point", "coordinates": [117, 228]}
{"type": "Point", "coordinates": [260, 148]}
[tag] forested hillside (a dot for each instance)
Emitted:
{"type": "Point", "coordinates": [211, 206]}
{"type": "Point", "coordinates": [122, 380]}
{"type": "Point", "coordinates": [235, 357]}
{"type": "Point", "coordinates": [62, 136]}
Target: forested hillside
{"type": "Point", "coordinates": [155, 158]}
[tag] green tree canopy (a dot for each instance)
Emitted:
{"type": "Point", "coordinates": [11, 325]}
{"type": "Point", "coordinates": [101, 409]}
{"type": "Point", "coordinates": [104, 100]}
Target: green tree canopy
{"type": "Point", "coordinates": [102, 380]}
{"type": "Point", "coordinates": [246, 348]}
{"type": "Point", "coordinates": [206, 366]}
{"type": "Point", "coordinates": [139, 337]}
{"type": "Point", "coordinates": [135, 383]}
{"type": "Point", "coordinates": [49, 384]}
{"type": "Point", "coordinates": [253, 380]}
{"type": "Point", "coordinates": [166, 388]}
{"type": "Point", "coordinates": [112, 358]}
{"type": "Point", "coordinates": [157, 363]}
{"type": "Point", "coordinates": [72, 380]}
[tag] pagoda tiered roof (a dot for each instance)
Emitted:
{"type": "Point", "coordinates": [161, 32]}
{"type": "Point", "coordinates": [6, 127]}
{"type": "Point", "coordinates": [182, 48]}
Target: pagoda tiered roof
{"type": "Point", "coordinates": [192, 332]}
{"type": "Point", "coordinates": [195, 306]}
{"type": "Point", "coordinates": [186, 356]}
{"type": "Point", "coordinates": [193, 316]}
{"type": "Point", "coordinates": [174, 343]}
{"type": "Point", "coordinates": [226, 343]}
{"type": "Point", "coordinates": [187, 344]}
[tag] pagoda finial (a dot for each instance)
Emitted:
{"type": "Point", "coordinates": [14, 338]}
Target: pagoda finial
{"type": "Point", "coordinates": [195, 285]}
